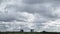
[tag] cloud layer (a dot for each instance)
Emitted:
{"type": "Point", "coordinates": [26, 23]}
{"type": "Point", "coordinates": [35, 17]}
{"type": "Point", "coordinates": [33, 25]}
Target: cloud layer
{"type": "Point", "coordinates": [29, 14]}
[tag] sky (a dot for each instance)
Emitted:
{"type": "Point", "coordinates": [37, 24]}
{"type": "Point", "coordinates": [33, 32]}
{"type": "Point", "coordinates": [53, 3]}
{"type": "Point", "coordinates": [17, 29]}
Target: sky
{"type": "Point", "coordinates": [40, 15]}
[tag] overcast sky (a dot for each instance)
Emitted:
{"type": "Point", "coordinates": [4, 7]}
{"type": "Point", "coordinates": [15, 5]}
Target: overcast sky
{"type": "Point", "coordinates": [30, 14]}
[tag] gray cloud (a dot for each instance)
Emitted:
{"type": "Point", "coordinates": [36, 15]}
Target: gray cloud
{"type": "Point", "coordinates": [40, 1]}
{"type": "Point", "coordinates": [24, 12]}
